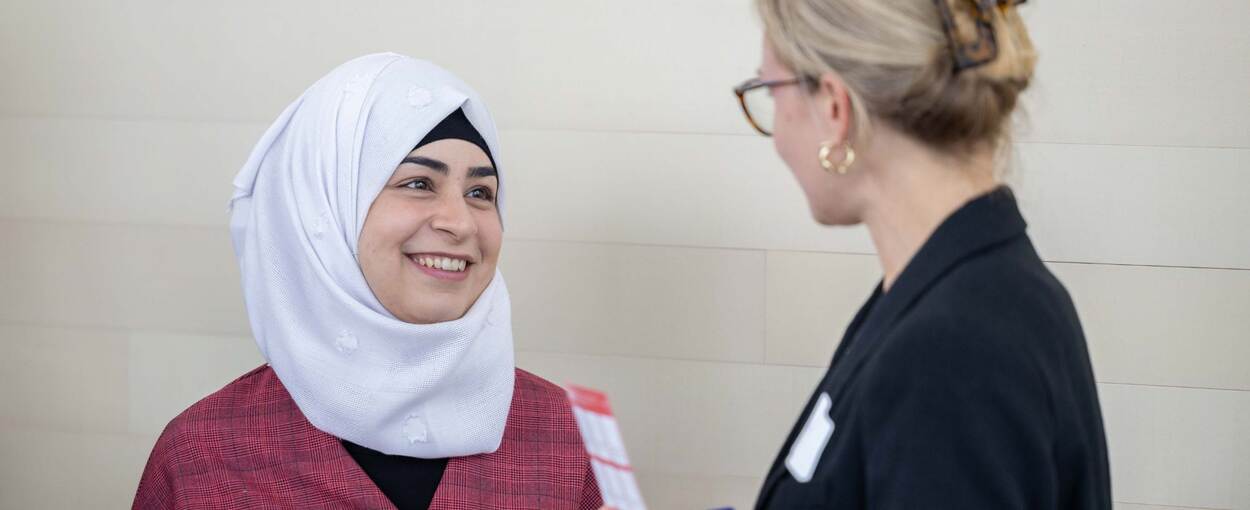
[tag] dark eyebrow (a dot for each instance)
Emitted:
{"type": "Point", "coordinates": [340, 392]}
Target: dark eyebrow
{"type": "Point", "coordinates": [483, 171]}
{"type": "Point", "coordinates": [440, 167]}
{"type": "Point", "coordinates": [432, 164]}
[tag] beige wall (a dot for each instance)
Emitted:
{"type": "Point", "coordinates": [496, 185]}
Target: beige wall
{"type": "Point", "coordinates": [656, 248]}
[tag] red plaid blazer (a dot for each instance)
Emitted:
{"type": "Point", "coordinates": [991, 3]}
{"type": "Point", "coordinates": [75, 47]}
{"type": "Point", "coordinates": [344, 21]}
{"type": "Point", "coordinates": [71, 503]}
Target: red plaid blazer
{"type": "Point", "coordinates": [248, 446]}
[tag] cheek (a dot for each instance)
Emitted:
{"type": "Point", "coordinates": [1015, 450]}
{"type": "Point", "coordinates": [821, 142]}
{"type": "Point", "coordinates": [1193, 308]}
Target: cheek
{"type": "Point", "coordinates": [795, 149]}
{"type": "Point", "coordinates": [792, 139]}
{"type": "Point", "coordinates": [386, 229]}
{"type": "Point", "coordinates": [396, 221]}
{"type": "Point", "coordinates": [490, 237]}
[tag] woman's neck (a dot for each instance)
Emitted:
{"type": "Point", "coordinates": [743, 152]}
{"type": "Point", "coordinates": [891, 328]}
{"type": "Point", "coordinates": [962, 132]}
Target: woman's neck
{"type": "Point", "coordinates": [913, 190]}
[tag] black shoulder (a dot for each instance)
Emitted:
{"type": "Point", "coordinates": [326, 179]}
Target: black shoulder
{"type": "Point", "coordinates": [1007, 296]}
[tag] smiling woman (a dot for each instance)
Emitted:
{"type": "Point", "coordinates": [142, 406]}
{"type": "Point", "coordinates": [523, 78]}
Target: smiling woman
{"type": "Point", "coordinates": [367, 225]}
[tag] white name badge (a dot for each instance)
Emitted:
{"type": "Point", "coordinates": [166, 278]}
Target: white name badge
{"type": "Point", "coordinates": [806, 450]}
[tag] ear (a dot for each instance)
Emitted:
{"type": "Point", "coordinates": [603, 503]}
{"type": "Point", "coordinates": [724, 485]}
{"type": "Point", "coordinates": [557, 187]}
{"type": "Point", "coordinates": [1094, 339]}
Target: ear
{"type": "Point", "coordinates": [833, 102]}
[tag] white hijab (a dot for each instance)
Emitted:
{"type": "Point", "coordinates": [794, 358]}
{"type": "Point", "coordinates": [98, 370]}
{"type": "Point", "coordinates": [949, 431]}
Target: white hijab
{"type": "Point", "coordinates": [354, 370]}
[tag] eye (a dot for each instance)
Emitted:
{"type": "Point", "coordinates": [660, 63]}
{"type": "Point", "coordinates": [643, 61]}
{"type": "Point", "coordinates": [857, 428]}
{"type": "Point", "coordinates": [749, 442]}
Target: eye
{"type": "Point", "coordinates": [418, 184]}
{"type": "Point", "coordinates": [481, 193]}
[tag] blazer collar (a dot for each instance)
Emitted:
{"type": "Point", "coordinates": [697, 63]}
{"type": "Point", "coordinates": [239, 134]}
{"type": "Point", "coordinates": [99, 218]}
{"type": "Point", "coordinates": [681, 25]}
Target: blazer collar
{"type": "Point", "coordinates": [981, 224]}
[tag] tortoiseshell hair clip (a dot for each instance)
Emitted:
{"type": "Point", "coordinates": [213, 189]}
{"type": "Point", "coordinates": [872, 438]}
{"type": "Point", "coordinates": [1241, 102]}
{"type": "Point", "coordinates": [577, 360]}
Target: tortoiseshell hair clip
{"type": "Point", "coordinates": [984, 48]}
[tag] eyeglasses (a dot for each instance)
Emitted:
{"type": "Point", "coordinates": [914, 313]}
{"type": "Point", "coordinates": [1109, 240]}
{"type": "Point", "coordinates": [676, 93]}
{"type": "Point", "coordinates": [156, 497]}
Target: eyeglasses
{"type": "Point", "coordinates": [755, 96]}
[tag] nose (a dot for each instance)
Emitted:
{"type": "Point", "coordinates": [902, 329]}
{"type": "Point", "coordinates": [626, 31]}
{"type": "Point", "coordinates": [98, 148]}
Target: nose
{"type": "Point", "coordinates": [453, 218]}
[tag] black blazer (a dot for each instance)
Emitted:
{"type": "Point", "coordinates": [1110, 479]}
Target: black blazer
{"type": "Point", "coordinates": [966, 386]}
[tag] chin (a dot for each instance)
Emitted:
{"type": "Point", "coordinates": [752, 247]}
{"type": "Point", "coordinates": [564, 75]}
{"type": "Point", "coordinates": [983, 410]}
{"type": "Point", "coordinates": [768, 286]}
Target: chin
{"type": "Point", "coordinates": [430, 317]}
{"type": "Point", "coordinates": [448, 313]}
{"type": "Point", "coordinates": [832, 217]}
{"type": "Point", "coordinates": [423, 313]}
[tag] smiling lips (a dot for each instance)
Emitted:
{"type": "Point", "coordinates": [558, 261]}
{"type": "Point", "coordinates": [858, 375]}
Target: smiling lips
{"type": "Point", "coordinates": [443, 267]}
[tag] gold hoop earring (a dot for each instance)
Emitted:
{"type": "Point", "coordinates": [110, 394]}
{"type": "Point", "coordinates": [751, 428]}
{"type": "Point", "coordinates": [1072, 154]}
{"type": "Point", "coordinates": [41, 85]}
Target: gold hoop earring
{"type": "Point", "coordinates": [840, 167]}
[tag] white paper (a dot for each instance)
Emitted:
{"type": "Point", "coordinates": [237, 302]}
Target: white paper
{"type": "Point", "coordinates": [608, 460]}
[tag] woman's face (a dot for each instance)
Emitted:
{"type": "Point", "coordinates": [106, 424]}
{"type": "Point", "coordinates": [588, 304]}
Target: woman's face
{"type": "Point", "coordinates": [804, 120]}
{"type": "Point", "coordinates": [431, 241]}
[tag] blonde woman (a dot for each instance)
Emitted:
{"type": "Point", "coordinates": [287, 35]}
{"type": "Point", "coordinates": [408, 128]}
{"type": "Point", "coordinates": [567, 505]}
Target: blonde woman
{"type": "Point", "coordinates": [964, 381]}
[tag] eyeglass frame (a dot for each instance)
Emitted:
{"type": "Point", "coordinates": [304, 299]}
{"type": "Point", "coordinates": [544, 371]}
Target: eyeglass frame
{"type": "Point", "coordinates": [756, 83]}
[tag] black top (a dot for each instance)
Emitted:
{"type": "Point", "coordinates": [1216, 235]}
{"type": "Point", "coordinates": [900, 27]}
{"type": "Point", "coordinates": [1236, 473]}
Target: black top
{"type": "Point", "coordinates": [967, 385]}
{"type": "Point", "coordinates": [408, 482]}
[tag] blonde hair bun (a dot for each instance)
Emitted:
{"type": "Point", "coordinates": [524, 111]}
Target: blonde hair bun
{"type": "Point", "coordinates": [897, 61]}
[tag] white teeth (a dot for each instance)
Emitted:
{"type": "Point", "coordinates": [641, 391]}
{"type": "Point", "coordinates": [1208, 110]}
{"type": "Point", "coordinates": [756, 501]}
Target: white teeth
{"type": "Point", "coordinates": [444, 263]}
